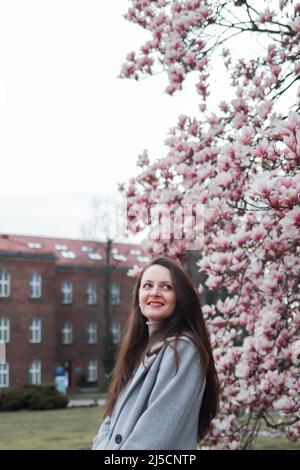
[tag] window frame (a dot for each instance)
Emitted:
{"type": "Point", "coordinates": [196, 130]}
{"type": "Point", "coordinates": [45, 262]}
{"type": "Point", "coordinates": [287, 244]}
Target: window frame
{"type": "Point", "coordinates": [66, 292]}
{"type": "Point", "coordinates": [5, 329]}
{"type": "Point", "coordinates": [35, 331]}
{"type": "Point", "coordinates": [91, 292]}
{"type": "Point", "coordinates": [4, 375]}
{"type": "Point", "coordinates": [67, 329]}
{"type": "Point", "coordinates": [35, 373]}
{"type": "Point", "coordinates": [5, 284]}
{"type": "Point", "coordinates": [116, 331]}
{"type": "Point", "coordinates": [115, 294]}
{"type": "Point", "coordinates": [92, 333]}
{"type": "Point", "coordinates": [92, 370]}
{"type": "Point", "coordinates": [35, 285]}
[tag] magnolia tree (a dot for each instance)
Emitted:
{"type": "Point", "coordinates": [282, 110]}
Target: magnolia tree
{"type": "Point", "coordinates": [239, 161]}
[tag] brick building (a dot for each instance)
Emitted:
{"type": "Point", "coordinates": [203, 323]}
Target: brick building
{"type": "Point", "coordinates": [52, 305]}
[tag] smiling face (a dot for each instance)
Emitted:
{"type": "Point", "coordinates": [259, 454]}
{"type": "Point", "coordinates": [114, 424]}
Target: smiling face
{"type": "Point", "coordinates": [157, 296]}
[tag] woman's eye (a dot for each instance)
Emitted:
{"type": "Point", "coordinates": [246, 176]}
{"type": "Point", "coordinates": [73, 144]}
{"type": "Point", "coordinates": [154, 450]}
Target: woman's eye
{"type": "Point", "coordinates": [147, 285]}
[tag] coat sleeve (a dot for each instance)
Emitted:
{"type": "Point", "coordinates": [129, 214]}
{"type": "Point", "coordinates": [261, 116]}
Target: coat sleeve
{"type": "Point", "coordinates": [174, 402]}
{"type": "Point", "coordinates": [99, 441]}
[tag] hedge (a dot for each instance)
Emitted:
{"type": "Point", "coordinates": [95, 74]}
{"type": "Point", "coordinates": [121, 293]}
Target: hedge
{"type": "Point", "coordinates": [32, 397]}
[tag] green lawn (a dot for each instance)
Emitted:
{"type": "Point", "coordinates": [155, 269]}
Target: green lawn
{"type": "Point", "coordinates": [72, 429]}
{"type": "Point", "coordinates": [275, 443]}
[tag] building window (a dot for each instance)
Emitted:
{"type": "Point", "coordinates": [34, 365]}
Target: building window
{"type": "Point", "coordinates": [34, 245]}
{"type": "Point", "coordinates": [95, 256]}
{"type": "Point", "coordinates": [68, 254]}
{"type": "Point", "coordinates": [67, 293]}
{"type": "Point", "coordinates": [4, 330]}
{"type": "Point", "coordinates": [4, 284]}
{"type": "Point", "coordinates": [135, 252]}
{"type": "Point", "coordinates": [35, 285]}
{"type": "Point", "coordinates": [61, 247]}
{"type": "Point", "coordinates": [87, 249]}
{"type": "Point", "coordinates": [67, 333]}
{"type": "Point", "coordinates": [4, 375]}
{"type": "Point", "coordinates": [143, 259]}
{"type": "Point", "coordinates": [92, 333]}
{"type": "Point", "coordinates": [92, 371]}
{"type": "Point", "coordinates": [91, 293]}
{"type": "Point", "coordinates": [119, 257]}
{"type": "Point", "coordinates": [115, 294]}
{"type": "Point", "coordinates": [116, 332]}
{"type": "Point", "coordinates": [35, 372]}
{"type": "Point", "coordinates": [35, 330]}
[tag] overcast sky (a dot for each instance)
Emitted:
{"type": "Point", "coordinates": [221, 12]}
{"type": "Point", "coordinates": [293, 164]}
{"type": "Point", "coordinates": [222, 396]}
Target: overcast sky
{"type": "Point", "coordinates": [70, 129]}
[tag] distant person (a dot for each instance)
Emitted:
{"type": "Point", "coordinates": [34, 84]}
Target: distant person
{"type": "Point", "coordinates": [61, 380]}
{"type": "Point", "coordinates": [164, 388]}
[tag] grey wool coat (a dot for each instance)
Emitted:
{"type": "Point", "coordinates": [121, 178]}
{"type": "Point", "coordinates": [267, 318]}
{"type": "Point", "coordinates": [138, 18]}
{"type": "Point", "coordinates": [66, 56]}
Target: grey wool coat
{"type": "Point", "coordinates": [158, 409]}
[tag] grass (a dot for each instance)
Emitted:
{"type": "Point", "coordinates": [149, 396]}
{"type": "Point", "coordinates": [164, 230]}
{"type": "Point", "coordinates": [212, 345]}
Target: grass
{"type": "Point", "coordinates": [73, 429]}
{"type": "Point", "coordinates": [275, 443]}
{"type": "Point", "coordinates": [69, 429]}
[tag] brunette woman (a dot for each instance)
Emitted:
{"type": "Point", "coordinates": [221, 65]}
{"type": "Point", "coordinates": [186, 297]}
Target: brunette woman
{"type": "Point", "coordinates": [164, 388]}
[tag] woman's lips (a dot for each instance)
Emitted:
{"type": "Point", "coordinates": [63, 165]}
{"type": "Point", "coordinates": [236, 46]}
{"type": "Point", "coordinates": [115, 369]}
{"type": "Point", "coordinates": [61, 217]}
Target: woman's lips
{"type": "Point", "coordinates": [155, 304]}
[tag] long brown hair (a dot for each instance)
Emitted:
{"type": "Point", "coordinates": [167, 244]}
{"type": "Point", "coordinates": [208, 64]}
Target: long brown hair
{"type": "Point", "coordinates": [187, 318]}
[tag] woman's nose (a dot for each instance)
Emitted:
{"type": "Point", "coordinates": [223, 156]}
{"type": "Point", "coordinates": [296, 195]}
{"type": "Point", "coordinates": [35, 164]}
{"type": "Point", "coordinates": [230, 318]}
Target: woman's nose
{"type": "Point", "coordinates": [155, 290]}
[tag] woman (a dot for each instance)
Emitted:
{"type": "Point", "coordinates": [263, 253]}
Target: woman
{"type": "Point", "coordinates": [164, 388]}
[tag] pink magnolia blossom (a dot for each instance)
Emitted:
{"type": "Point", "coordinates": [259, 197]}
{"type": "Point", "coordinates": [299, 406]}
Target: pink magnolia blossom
{"type": "Point", "coordinates": [133, 272]}
{"type": "Point", "coordinates": [214, 281]}
{"type": "Point", "coordinates": [218, 322]}
{"type": "Point", "coordinates": [143, 159]}
{"type": "Point", "coordinates": [246, 135]}
{"type": "Point", "coordinates": [264, 109]}
{"type": "Point", "coordinates": [283, 403]}
{"type": "Point", "coordinates": [266, 16]}
{"type": "Point", "coordinates": [241, 161]}
{"type": "Point", "coordinates": [295, 25]}
{"type": "Point", "coordinates": [261, 149]}
{"type": "Point", "coordinates": [227, 307]}
{"type": "Point", "coordinates": [291, 224]}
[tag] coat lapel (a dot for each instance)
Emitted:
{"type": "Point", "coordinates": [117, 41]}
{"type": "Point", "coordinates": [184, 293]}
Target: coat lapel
{"type": "Point", "coordinates": [139, 374]}
{"type": "Point", "coordinates": [145, 366]}
{"type": "Point", "coordinates": [141, 371]}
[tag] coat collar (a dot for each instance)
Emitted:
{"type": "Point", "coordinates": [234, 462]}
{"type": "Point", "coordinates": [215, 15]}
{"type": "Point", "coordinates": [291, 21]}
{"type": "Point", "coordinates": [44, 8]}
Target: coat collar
{"type": "Point", "coordinates": [156, 351]}
{"type": "Point", "coordinates": [142, 369]}
{"type": "Point", "coordinates": [125, 393]}
{"type": "Point", "coordinates": [145, 365]}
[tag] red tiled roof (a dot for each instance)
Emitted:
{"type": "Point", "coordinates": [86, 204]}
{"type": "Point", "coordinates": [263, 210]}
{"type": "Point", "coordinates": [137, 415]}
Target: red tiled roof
{"type": "Point", "coordinates": [73, 252]}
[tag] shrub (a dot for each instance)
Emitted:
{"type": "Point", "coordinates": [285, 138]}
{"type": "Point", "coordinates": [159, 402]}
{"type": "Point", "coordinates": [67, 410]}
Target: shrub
{"type": "Point", "coordinates": [32, 397]}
